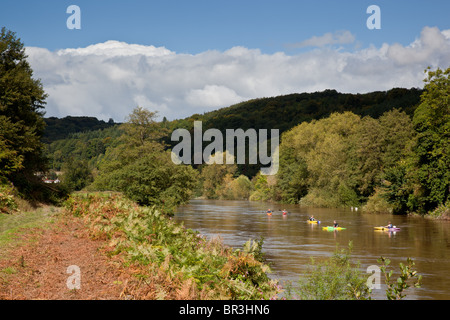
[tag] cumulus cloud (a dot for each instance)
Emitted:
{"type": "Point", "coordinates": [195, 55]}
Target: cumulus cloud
{"type": "Point", "coordinates": [107, 80]}
{"type": "Point", "coordinates": [338, 37]}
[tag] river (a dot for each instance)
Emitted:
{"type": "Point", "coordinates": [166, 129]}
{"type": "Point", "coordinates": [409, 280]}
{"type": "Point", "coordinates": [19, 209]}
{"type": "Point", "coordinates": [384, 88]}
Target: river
{"type": "Point", "coordinates": [290, 242]}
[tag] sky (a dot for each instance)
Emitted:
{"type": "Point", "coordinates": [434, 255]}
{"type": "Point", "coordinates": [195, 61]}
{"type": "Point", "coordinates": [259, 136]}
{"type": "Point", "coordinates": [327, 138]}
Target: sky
{"type": "Point", "coordinates": [192, 56]}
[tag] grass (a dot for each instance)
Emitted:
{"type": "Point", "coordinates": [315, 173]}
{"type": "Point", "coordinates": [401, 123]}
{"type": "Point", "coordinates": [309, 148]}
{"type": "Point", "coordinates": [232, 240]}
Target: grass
{"type": "Point", "coordinates": [12, 225]}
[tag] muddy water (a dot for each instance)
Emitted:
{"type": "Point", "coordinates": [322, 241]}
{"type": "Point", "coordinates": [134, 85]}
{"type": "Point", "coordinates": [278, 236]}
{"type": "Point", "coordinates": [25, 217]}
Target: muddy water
{"type": "Point", "coordinates": [290, 242]}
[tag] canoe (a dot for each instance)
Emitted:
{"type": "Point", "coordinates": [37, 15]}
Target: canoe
{"type": "Point", "coordinates": [314, 221]}
{"type": "Point", "coordinates": [387, 229]}
{"type": "Point", "coordinates": [333, 228]}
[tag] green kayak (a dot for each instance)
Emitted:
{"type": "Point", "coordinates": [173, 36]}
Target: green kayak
{"type": "Point", "coordinates": [333, 228]}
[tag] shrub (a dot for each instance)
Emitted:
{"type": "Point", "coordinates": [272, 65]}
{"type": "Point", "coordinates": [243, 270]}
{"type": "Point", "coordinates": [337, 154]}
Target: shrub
{"type": "Point", "coordinates": [7, 199]}
{"type": "Point", "coordinates": [336, 278]}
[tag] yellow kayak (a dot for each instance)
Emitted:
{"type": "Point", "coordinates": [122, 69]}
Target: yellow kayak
{"type": "Point", "coordinates": [386, 229]}
{"type": "Point", "coordinates": [314, 221]}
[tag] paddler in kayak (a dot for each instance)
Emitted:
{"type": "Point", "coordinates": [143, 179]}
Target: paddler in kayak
{"type": "Point", "coordinates": [335, 224]}
{"type": "Point", "coordinates": [389, 226]}
{"type": "Point", "coordinates": [269, 212]}
{"type": "Point", "coordinates": [312, 218]}
{"type": "Point", "coordinates": [284, 212]}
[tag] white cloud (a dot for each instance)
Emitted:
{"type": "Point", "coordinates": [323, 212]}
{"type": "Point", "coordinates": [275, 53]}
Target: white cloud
{"type": "Point", "coordinates": [212, 96]}
{"type": "Point", "coordinates": [110, 79]}
{"type": "Point", "coordinates": [113, 48]}
{"type": "Point", "coordinates": [338, 37]}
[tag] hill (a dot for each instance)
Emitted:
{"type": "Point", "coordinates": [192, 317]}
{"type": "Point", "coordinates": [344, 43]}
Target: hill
{"type": "Point", "coordinates": [285, 112]}
{"type": "Point", "coordinates": [58, 129]}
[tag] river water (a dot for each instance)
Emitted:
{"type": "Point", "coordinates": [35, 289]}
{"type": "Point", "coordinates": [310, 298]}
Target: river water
{"type": "Point", "coordinates": [290, 242]}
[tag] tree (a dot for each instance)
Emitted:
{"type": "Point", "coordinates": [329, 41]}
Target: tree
{"type": "Point", "coordinates": [215, 176]}
{"type": "Point", "coordinates": [381, 144]}
{"type": "Point", "coordinates": [139, 167]}
{"type": "Point", "coordinates": [156, 180]}
{"type": "Point", "coordinates": [22, 99]}
{"type": "Point", "coordinates": [431, 154]}
{"type": "Point", "coordinates": [77, 174]}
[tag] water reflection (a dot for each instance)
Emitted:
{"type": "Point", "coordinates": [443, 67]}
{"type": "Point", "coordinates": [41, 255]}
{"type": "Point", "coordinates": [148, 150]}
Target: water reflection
{"type": "Point", "coordinates": [290, 242]}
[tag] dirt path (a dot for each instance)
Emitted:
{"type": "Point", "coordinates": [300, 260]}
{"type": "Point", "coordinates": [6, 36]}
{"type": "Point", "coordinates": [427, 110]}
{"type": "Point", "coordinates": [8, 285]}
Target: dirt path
{"type": "Point", "coordinates": [38, 269]}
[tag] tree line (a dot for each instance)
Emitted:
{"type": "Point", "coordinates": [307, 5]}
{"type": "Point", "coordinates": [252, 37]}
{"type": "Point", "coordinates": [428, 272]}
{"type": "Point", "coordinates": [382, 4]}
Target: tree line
{"type": "Point", "coordinates": [386, 150]}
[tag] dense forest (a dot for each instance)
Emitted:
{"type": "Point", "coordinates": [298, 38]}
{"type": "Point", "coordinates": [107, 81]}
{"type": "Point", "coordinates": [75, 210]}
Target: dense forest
{"type": "Point", "coordinates": [387, 151]}
{"type": "Point", "coordinates": [57, 129]}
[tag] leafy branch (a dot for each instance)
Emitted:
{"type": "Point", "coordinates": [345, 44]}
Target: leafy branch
{"type": "Point", "coordinates": [408, 277]}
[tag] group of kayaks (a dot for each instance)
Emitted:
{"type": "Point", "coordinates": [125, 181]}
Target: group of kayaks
{"type": "Point", "coordinates": [270, 212]}
{"type": "Point", "coordinates": [388, 228]}
{"type": "Point", "coordinates": [327, 228]}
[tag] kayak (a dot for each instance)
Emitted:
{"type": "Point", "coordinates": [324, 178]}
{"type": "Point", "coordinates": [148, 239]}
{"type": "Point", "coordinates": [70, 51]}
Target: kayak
{"type": "Point", "coordinates": [387, 229]}
{"type": "Point", "coordinates": [314, 221]}
{"type": "Point", "coordinates": [269, 213]}
{"type": "Point", "coordinates": [333, 228]}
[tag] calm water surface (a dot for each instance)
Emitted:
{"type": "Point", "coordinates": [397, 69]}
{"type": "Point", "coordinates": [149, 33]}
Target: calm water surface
{"type": "Point", "coordinates": [290, 242]}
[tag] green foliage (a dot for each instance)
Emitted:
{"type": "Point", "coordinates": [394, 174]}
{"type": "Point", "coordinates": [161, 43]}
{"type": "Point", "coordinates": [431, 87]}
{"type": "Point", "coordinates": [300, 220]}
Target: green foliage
{"type": "Point", "coordinates": [216, 179]}
{"type": "Point", "coordinates": [254, 247]}
{"type": "Point", "coordinates": [235, 189]}
{"type": "Point", "coordinates": [155, 180]}
{"type": "Point", "coordinates": [22, 125]}
{"type": "Point", "coordinates": [59, 129]}
{"type": "Point", "coordinates": [408, 277]}
{"type": "Point", "coordinates": [7, 198]}
{"type": "Point", "coordinates": [442, 211]}
{"type": "Point", "coordinates": [145, 237]}
{"type": "Point", "coordinates": [262, 190]}
{"type": "Point", "coordinates": [430, 171]}
{"type": "Point", "coordinates": [87, 146]}
{"type": "Point", "coordinates": [395, 188]}
{"type": "Point", "coordinates": [288, 111]}
{"type": "Point", "coordinates": [376, 203]}
{"type": "Point", "coordinates": [76, 175]}
{"type": "Point", "coordinates": [336, 278]}
{"type": "Point", "coordinates": [10, 158]}
{"type": "Point", "coordinates": [21, 118]}
{"type": "Point", "coordinates": [139, 167]}
{"type": "Point", "coordinates": [340, 160]}
{"type": "Point", "coordinates": [293, 176]}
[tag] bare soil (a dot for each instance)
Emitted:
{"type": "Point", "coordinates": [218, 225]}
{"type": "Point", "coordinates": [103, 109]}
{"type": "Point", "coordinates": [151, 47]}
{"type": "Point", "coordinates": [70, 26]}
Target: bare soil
{"type": "Point", "coordinates": [36, 266]}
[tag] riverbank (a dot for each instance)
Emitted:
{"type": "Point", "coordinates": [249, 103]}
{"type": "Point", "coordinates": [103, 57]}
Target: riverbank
{"type": "Point", "coordinates": [39, 248]}
{"type": "Point", "coordinates": [124, 251]}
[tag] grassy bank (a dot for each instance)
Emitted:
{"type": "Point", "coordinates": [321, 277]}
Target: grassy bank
{"type": "Point", "coordinates": [11, 225]}
{"type": "Point", "coordinates": [156, 247]}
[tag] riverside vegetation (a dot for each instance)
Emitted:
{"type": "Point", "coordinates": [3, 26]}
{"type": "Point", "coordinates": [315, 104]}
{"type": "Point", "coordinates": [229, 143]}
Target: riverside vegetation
{"type": "Point", "coordinates": [153, 243]}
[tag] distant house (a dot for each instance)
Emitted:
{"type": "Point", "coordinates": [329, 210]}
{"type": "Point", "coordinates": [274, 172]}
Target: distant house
{"type": "Point", "coordinates": [51, 181]}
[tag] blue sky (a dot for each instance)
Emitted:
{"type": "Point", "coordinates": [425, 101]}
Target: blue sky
{"type": "Point", "coordinates": [192, 56]}
{"type": "Point", "coordinates": [194, 26]}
